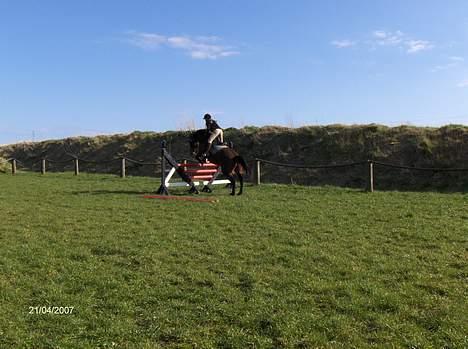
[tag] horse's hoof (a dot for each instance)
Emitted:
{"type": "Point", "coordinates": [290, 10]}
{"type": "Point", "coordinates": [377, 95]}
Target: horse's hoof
{"type": "Point", "coordinates": [239, 193]}
{"type": "Point", "coordinates": [206, 189]}
{"type": "Point", "coordinates": [194, 191]}
{"type": "Point", "coordinates": [233, 194]}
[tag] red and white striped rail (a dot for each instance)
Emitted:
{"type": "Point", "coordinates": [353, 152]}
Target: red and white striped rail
{"type": "Point", "coordinates": [201, 174]}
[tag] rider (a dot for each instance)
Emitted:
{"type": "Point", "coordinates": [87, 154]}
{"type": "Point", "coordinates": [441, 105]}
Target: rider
{"type": "Point", "coordinates": [214, 130]}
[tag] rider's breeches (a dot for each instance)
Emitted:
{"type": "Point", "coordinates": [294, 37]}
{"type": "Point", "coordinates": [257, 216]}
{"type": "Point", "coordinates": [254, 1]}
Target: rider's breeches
{"type": "Point", "coordinates": [214, 134]}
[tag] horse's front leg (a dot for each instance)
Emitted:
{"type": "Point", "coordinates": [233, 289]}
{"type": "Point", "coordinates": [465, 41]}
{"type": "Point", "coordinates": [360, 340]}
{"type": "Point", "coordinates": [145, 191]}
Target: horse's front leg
{"type": "Point", "coordinates": [193, 190]}
{"type": "Point", "coordinates": [199, 157]}
{"type": "Point", "coordinates": [206, 189]}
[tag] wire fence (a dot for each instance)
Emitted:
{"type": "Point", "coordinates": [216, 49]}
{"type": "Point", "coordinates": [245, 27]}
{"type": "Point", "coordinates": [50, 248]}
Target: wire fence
{"type": "Point", "coordinates": [75, 163]}
{"type": "Point", "coordinates": [370, 182]}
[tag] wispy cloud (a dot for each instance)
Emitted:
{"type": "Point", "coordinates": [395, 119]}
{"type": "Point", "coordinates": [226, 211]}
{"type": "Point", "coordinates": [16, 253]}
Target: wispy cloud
{"type": "Point", "coordinates": [343, 43]}
{"type": "Point", "coordinates": [463, 83]}
{"type": "Point", "coordinates": [199, 47]}
{"type": "Point", "coordinates": [453, 61]}
{"type": "Point", "coordinates": [457, 59]}
{"type": "Point", "coordinates": [389, 39]}
{"type": "Point", "coordinates": [402, 40]}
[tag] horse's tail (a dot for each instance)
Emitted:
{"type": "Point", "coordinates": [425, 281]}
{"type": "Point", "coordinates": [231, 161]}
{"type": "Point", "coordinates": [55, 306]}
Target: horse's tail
{"type": "Point", "coordinates": [240, 160]}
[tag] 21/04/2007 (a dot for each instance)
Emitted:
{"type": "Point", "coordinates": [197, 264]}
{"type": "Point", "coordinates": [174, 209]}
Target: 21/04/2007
{"type": "Point", "coordinates": [51, 310]}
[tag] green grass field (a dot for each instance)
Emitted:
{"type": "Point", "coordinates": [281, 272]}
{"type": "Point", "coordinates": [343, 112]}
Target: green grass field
{"type": "Point", "coordinates": [282, 266]}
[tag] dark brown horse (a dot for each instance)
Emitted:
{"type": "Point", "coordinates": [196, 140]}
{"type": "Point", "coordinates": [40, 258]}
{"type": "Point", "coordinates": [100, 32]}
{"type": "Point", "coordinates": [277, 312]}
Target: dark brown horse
{"type": "Point", "coordinates": [231, 162]}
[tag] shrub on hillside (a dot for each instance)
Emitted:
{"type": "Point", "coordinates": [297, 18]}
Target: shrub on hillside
{"type": "Point", "coordinates": [4, 165]}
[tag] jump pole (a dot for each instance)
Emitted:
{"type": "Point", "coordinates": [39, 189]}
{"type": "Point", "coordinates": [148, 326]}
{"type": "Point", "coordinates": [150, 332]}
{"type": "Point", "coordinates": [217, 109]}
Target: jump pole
{"type": "Point", "coordinates": [163, 188]}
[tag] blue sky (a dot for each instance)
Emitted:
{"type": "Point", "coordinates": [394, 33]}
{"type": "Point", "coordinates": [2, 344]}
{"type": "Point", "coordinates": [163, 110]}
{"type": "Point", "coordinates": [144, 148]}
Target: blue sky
{"type": "Point", "coordinates": [90, 67]}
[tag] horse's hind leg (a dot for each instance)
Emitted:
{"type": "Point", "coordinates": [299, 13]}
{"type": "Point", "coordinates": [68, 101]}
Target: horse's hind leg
{"type": "Point", "coordinates": [233, 184]}
{"type": "Point", "coordinates": [241, 183]}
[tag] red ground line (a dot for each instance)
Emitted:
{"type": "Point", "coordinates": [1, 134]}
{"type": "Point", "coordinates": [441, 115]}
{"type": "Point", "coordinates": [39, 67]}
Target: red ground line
{"type": "Point", "coordinates": [183, 198]}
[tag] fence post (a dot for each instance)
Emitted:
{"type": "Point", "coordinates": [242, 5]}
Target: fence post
{"type": "Point", "coordinates": [370, 183]}
{"type": "Point", "coordinates": [43, 166]}
{"type": "Point", "coordinates": [13, 166]}
{"type": "Point", "coordinates": [257, 172]}
{"type": "Point", "coordinates": [122, 168]}
{"type": "Point", "coordinates": [77, 167]}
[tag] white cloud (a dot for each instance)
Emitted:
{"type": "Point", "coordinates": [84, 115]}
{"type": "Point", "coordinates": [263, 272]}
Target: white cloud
{"type": "Point", "coordinates": [384, 38]}
{"type": "Point", "coordinates": [380, 34]}
{"type": "Point", "coordinates": [200, 47]}
{"type": "Point", "coordinates": [401, 40]}
{"type": "Point", "coordinates": [414, 46]}
{"type": "Point", "coordinates": [463, 83]}
{"type": "Point", "coordinates": [343, 43]}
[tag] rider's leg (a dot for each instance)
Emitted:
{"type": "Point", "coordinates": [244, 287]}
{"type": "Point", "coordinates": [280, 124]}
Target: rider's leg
{"type": "Point", "coordinates": [214, 134]}
{"type": "Point", "coordinates": [208, 147]}
{"type": "Point", "coordinates": [211, 138]}
{"type": "Point", "coordinates": [221, 136]}
{"type": "Point", "coordinates": [204, 155]}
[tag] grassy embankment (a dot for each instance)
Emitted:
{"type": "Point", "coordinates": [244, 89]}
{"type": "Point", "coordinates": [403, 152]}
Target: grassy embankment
{"type": "Point", "coordinates": [282, 266]}
{"type": "Point", "coordinates": [445, 147]}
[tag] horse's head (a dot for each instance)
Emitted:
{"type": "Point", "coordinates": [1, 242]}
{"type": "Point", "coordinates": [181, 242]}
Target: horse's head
{"type": "Point", "coordinates": [196, 138]}
{"type": "Point", "coordinates": [194, 144]}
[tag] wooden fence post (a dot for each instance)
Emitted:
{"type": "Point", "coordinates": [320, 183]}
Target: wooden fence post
{"type": "Point", "coordinates": [77, 167]}
{"type": "Point", "coordinates": [13, 166]}
{"type": "Point", "coordinates": [370, 183]}
{"type": "Point", "coordinates": [257, 172]}
{"type": "Point", "coordinates": [43, 166]}
{"type": "Point", "coordinates": [122, 168]}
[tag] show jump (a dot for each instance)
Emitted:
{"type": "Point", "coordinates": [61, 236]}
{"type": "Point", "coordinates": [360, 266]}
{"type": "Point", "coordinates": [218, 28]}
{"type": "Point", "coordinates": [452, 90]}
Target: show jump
{"type": "Point", "coordinates": [192, 174]}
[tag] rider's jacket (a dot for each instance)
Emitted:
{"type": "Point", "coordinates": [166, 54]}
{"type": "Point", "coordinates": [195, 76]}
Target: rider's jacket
{"type": "Point", "coordinates": [211, 125]}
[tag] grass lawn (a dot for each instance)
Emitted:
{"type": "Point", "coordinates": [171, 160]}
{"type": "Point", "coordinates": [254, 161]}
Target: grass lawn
{"type": "Point", "coordinates": [281, 266]}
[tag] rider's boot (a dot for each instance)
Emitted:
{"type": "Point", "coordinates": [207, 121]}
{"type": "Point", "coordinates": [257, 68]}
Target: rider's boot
{"type": "Point", "coordinates": [206, 152]}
